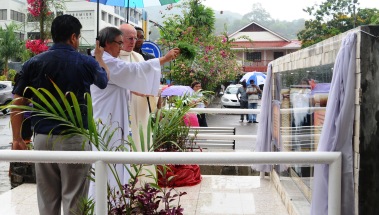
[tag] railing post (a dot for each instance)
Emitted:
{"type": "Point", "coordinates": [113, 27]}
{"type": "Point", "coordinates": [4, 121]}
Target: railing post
{"type": "Point", "coordinates": [334, 187]}
{"type": "Point", "coordinates": [101, 188]}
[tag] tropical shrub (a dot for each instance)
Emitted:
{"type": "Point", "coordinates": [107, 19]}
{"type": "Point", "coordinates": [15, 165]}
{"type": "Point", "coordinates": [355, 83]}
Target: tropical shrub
{"type": "Point", "coordinates": [215, 62]}
{"type": "Point", "coordinates": [133, 198]}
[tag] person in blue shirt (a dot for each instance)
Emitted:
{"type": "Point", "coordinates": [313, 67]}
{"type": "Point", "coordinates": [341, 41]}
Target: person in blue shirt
{"type": "Point", "coordinates": [62, 64]}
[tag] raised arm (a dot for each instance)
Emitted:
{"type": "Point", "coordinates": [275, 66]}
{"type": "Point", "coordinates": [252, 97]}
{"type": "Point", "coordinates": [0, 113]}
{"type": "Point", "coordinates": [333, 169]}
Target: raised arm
{"type": "Point", "coordinates": [171, 55]}
{"type": "Point", "coordinates": [99, 57]}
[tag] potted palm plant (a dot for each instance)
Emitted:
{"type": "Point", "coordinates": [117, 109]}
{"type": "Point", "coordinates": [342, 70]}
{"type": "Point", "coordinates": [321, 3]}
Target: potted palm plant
{"type": "Point", "coordinates": [135, 197]}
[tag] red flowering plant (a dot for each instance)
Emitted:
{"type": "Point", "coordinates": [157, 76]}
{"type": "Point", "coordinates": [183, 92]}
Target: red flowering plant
{"type": "Point", "coordinates": [214, 62]}
{"type": "Point", "coordinates": [36, 46]}
{"type": "Point", "coordinates": [35, 7]}
{"type": "Point", "coordinates": [41, 11]}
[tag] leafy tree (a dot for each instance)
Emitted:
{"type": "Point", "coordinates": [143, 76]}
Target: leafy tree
{"type": "Point", "coordinates": [258, 14]}
{"type": "Point", "coordinates": [41, 11]}
{"type": "Point", "coordinates": [215, 62]}
{"type": "Point", "coordinates": [10, 45]}
{"type": "Point", "coordinates": [333, 17]}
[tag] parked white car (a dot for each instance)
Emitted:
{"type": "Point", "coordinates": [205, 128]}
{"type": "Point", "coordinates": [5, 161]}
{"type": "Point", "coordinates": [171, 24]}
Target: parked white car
{"type": "Point", "coordinates": [6, 95]}
{"type": "Point", "coordinates": [229, 99]}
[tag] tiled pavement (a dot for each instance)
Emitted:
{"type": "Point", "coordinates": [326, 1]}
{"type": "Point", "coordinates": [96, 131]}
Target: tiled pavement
{"type": "Point", "coordinates": [214, 195]}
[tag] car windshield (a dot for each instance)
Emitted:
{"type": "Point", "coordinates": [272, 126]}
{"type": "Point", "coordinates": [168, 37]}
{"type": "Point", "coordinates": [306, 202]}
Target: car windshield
{"type": "Point", "coordinates": [232, 90]}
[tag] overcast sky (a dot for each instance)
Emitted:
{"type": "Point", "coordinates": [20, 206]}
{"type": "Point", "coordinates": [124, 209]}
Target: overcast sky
{"type": "Point", "coordinates": [278, 9]}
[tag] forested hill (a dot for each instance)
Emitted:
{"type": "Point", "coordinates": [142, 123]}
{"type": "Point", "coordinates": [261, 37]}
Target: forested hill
{"type": "Point", "coordinates": [232, 22]}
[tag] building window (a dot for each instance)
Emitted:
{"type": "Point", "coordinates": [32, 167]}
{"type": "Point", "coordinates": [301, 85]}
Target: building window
{"type": "Point", "coordinates": [3, 14]}
{"type": "Point", "coordinates": [34, 35]}
{"type": "Point", "coordinates": [103, 16]}
{"type": "Point", "coordinates": [17, 16]}
{"type": "Point", "coordinates": [110, 19]}
{"type": "Point", "coordinates": [278, 55]}
{"type": "Point", "coordinates": [254, 56]}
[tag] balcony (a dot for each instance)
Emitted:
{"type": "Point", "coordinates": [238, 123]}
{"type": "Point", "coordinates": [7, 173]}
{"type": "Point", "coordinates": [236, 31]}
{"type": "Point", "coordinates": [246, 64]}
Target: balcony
{"type": "Point", "coordinates": [250, 66]}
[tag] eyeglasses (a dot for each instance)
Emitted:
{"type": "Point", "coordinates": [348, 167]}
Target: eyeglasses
{"type": "Point", "coordinates": [131, 39]}
{"type": "Point", "coordinates": [141, 38]}
{"type": "Point", "coordinates": [120, 43]}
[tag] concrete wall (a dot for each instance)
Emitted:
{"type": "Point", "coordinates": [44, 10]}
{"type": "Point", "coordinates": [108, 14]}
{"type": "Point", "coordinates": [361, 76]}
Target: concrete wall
{"type": "Point", "coordinates": [367, 152]}
{"type": "Point", "coordinates": [366, 132]}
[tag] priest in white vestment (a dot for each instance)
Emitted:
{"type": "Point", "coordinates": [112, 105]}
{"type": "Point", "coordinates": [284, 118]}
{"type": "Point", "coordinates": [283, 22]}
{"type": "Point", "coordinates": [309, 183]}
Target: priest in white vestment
{"type": "Point", "coordinates": [140, 105]}
{"type": "Point", "coordinates": [110, 105]}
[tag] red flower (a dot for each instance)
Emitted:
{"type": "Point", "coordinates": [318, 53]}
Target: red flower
{"type": "Point", "coordinates": [37, 7]}
{"type": "Point", "coordinates": [36, 46]}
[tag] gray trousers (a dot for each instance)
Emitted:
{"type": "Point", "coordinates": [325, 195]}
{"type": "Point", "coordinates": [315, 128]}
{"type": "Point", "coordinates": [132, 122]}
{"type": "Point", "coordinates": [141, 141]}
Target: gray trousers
{"type": "Point", "coordinates": [58, 184]}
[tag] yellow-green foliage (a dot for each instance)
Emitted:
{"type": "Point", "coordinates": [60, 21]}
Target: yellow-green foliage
{"type": "Point", "coordinates": [11, 74]}
{"type": "Point", "coordinates": [3, 78]}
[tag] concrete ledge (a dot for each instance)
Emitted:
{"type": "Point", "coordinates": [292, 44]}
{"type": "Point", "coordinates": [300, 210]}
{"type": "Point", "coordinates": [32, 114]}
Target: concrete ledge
{"type": "Point", "coordinates": [293, 199]}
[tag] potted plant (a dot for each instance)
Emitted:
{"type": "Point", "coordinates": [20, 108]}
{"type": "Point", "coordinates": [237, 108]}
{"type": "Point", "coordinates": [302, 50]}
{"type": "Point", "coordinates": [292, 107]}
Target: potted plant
{"type": "Point", "coordinates": [135, 197]}
{"type": "Point", "coordinates": [170, 134]}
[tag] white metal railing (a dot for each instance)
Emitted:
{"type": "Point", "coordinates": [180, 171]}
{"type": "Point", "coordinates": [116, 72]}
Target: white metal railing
{"type": "Point", "coordinates": [250, 111]}
{"type": "Point", "coordinates": [210, 158]}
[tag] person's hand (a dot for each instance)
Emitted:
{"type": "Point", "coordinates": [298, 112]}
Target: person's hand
{"type": "Point", "coordinates": [19, 145]}
{"type": "Point", "coordinates": [171, 55]}
{"type": "Point", "coordinates": [98, 51]}
{"type": "Point", "coordinates": [139, 94]}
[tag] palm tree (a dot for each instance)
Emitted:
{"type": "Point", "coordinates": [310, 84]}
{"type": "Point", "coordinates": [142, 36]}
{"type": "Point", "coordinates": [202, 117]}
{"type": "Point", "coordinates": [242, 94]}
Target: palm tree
{"type": "Point", "coordinates": [10, 45]}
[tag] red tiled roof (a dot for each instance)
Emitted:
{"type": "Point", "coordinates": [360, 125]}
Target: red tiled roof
{"type": "Point", "coordinates": [264, 44]}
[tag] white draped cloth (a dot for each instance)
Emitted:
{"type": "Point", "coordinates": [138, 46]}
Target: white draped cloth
{"type": "Point", "coordinates": [110, 104]}
{"type": "Point", "coordinates": [264, 134]}
{"type": "Point", "coordinates": [337, 131]}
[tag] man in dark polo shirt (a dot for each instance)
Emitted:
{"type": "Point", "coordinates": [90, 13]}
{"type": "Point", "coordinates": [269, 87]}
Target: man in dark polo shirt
{"type": "Point", "coordinates": [139, 43]}
{"type": "Point", "coordinates": [73, 72]}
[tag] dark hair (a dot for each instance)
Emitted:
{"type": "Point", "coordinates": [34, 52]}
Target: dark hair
{"type": "Point", "coordinates": [194, 84]}
{"type": "Point", "coordinates": [108, 34]}
{"type": "Point", "coordinates": [63, 27]}
{"type": "Point", "coordinates": [251, 80]}
{"type": "Point", "coordinates": [139, 29]}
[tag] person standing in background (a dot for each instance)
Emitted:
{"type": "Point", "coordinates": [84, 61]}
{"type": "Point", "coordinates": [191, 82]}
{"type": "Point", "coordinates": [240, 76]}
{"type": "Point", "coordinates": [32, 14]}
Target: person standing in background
{"type": "Point", "coordinates": [243, 99]}
{"type": "Point", "coordinates": [139, 43]}
{"type": "Point", "coordinates": [253, 92]}
{"type": "Point", "coordinates": [200, 103]}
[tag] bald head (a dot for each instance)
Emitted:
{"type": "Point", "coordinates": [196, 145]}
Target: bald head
{"type": "Point", "coordinates": [129, 36]}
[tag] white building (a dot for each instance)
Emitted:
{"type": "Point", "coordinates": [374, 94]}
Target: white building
{"type": "Point", "coordinates": [16, 11]}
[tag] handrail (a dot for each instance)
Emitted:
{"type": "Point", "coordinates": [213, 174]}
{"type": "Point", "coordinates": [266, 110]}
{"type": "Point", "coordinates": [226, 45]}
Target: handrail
{"type": "Point", "coordinates": [210, 158]}
{"type": "Point", "coordinates": [250, 111]}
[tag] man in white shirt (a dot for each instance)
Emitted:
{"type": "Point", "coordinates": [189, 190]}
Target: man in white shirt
{"type": "Point", "coordinates": [110, 105]}
{"type": "Point", "coordinates": [253, 99]}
